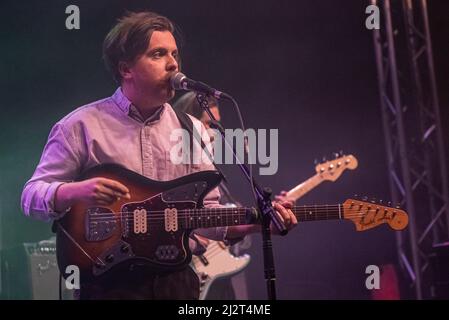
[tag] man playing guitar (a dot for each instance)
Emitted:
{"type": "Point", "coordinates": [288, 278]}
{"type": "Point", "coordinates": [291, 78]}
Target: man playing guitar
{"type": "Point", "coordinates": [130, 128]}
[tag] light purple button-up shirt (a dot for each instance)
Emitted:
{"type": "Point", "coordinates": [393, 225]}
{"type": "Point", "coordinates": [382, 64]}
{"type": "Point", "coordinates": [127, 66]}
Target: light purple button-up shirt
{"type": "Point", "coordinates": [111, 131]}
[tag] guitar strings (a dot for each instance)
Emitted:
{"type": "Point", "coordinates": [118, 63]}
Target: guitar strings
{"type": "Point", "coordinates": [162, 217]}
{"type": "Point", "coordinates": [301, 209]}
{"type": "Point", "coordinates": [306, 208]}
{"type": "Point", "coordinates": [159, 217]}
{"type": "Point", "coordinates": [228, 211]}
{"type": "Point", "coordinates": [130, 214]}
{"type": "Point", "coordinates": [215, 251]}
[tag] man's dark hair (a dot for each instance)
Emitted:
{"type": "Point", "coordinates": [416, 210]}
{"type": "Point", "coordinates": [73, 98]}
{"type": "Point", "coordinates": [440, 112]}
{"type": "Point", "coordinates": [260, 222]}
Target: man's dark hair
{"type": "Point", "coordinates": [189, 104]}
{"type": "Point", "coordinates": [129, 38]}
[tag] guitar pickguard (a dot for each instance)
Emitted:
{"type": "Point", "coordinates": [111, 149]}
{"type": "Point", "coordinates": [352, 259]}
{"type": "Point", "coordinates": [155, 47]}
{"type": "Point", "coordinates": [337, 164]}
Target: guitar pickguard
{"type": "Point", "coordinates": [100, 224]}
{"type": "Point", "coordinates": [188, 192]}
{"type": "Point", "coordinates": [137, 222]}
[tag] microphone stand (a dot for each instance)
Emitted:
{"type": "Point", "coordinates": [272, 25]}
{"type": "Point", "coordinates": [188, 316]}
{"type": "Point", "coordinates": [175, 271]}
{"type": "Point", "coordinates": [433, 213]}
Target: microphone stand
{"type": "Point", "coordinates": [263, 197]}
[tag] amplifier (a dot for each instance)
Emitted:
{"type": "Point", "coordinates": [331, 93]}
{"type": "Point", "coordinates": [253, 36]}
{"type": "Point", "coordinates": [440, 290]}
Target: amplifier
{"type": "Point", "coordinates": [30, 271]}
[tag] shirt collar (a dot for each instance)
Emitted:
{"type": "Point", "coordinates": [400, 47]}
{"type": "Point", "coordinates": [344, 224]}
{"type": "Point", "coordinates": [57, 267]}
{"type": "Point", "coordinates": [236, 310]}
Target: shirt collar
{"type": "Point", "coordinates": [122, 102]}
{"type": "Point", "coordinates": [129, 109]}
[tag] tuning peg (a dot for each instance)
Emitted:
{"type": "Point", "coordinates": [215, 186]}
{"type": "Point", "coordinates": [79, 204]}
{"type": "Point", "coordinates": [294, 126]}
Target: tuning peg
{"type": "Point", "coordinates": [356, 196]}
{"type": "Point", "coordinates": [341, 153]}
{"type": "Point", "coordinates": [365, 198]}
{"type": "Point", "coordinates": [315, 162]}
{"type": "Point", "coordinates": [324, 159]}
{"type": "Point", "coordinates": [381, 202]}
{"type": "Point", "coordinates": [336, 155]}
{"type": "Point", "coordinates": [389, 203]}
{"type": "Point", "coordinates": [373, 200]}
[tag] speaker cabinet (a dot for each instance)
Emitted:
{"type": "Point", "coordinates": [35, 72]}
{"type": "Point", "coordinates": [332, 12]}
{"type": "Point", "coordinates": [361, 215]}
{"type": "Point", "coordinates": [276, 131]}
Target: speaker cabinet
{"type": "Point", "coordinates": [30, 271]}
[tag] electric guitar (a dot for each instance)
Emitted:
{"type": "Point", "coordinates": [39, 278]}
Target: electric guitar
{"type": "Point", "coordinates": [152, 227]}
{"type": "Point", "coordinates": [218, 261]}
{"type": "Point", "coordinates": [327, 171]}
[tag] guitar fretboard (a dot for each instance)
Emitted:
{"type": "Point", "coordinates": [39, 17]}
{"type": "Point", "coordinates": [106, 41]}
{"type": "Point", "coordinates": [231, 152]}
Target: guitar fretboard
{"type": "Point", "coordinates": [218, 217]}
{"type": "Point", "coordinates": [318, 212]}
{"type": "Point", "coordinates": [214, 217]}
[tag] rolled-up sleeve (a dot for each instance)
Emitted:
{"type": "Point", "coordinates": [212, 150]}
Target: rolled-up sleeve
{"type": "Point", "coordinates": [59, 163]}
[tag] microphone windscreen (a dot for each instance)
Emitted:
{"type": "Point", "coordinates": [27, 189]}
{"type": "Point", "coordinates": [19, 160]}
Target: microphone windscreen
{"type": "Point", "coordinates": [176, 81]}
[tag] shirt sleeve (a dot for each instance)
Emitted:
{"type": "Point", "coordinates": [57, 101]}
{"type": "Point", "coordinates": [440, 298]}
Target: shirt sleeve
{"type": "Point", "coordinates": [59, 163]}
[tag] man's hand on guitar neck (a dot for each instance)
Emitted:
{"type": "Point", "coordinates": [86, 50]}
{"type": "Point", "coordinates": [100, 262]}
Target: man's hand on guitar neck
{"type": "Point", "coordinates": [283, 209]}
{"type": "Point", "coordinates": [95, 191]}
{"type": "Point", "coordinates": [281, 200]}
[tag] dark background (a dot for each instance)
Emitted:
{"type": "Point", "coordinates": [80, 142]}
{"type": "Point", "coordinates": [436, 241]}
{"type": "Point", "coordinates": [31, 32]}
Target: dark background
{"type": "Point", "coordinates": [304, 67]}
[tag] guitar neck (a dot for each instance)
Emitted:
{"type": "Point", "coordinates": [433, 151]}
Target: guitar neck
{"type": "Point", "coordinates": [301, 189]}
{"type": "Point", "coordinates": [218, 217]}
{"type": "Point", "coordinates": [319, 212]}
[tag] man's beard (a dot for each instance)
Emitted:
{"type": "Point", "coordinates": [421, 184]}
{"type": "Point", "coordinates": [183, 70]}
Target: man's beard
{"type": "Point", "coordinates": [163, 92]}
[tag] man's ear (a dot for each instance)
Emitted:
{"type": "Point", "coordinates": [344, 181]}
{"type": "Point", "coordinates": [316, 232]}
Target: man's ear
{"type": "Point", "coordinates": [124, 68]}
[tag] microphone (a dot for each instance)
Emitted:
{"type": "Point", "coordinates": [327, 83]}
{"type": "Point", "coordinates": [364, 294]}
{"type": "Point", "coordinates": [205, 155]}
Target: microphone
{"type": "Point", "coordinates": [179, 81]}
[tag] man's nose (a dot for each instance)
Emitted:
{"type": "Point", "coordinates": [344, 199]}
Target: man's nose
{"type": "Point", "coordinates": [172, 64]}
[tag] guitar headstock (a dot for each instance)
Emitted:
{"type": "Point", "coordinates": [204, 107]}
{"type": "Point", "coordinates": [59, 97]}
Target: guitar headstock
{"type": "Point", "coordinates": [331, 170]}
{"type": "Point", "coordinates": [367, 215]}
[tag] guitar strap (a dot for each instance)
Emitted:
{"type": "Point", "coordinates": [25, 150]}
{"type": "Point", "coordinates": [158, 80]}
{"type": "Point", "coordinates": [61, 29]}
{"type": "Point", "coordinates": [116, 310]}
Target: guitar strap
{"type": "Point", "coordinates": [187, 124]}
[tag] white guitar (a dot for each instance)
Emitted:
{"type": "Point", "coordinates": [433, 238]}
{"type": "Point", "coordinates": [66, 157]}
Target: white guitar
{"type": "Point", "coordinates": [218, 261]}
{"type": "Point", "coordinates": [327, 171]}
